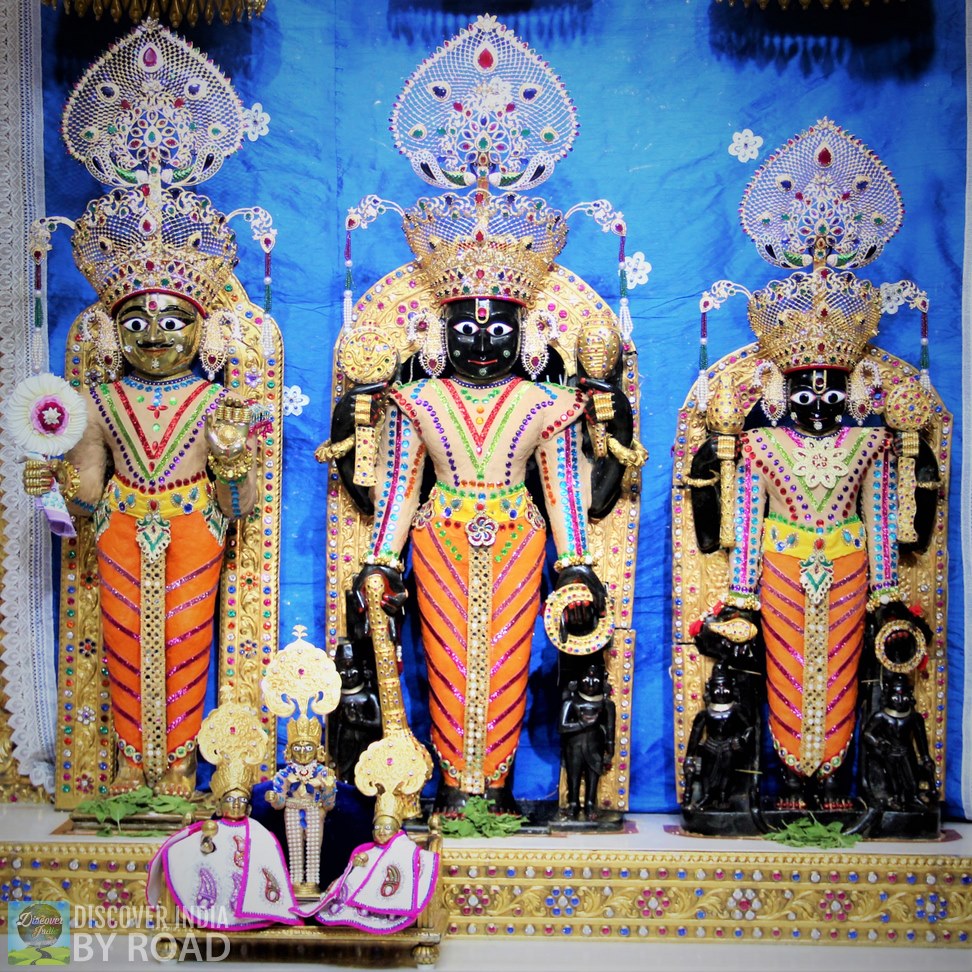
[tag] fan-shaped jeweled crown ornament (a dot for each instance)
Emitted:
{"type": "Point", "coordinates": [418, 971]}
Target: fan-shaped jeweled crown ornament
{"type": "Point", "coordinates": [824, 196]}
{"type": "Point", "coordinates": [484, 108]}
{"type": "Point", "coordinates": [824, 202]}
{"type": "Point", "coordinates": [149, 118]}
{"type": "Point", "coordinates": [301, 682]}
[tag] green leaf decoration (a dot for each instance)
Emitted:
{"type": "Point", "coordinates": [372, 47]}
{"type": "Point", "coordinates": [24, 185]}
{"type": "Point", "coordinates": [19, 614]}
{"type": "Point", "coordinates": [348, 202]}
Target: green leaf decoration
{"type": "Point", "coordinates": [478, 820]}
{"type": "Point", "coordinates": [810, 832]}
{"type": "Point", "coordinates": [123, 805]}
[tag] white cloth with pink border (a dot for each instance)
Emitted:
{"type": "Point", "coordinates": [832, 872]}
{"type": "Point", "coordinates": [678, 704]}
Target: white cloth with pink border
{"type": "Point", "coordinates": [383, 889]}
{"type": "Point", "coordinates": [243, 883]}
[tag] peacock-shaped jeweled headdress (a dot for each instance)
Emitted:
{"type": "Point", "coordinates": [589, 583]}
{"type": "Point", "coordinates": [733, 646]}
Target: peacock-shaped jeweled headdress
{"type": "Point", "coordinates": [152, 117]}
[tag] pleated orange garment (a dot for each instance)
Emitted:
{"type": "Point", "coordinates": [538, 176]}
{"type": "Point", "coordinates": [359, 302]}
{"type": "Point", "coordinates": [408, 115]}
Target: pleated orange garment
{"type": "Point", "coordinates": [477, 629]}
{"type": "Point", "coordinates": [784, 612]}
{"type": "Point", "coordinates": [193, 561]}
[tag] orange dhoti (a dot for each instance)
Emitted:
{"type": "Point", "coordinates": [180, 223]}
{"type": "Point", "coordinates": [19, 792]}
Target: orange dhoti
{"type": "Point", "coordinates": [813, 611]}
{"type": "Point", "coordinates": [159, 560]}
{"type": "Point", "coordinates": [478, 558]}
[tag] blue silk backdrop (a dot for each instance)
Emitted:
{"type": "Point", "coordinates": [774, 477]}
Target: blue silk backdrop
{"type": "Point", "coordinates": [660, 90]}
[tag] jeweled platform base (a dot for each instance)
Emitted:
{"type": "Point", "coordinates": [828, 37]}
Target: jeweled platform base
{"type": "Point", "coordinates": [649, 883]}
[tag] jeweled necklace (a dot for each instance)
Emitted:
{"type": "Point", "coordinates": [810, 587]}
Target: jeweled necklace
{"type": "Point", "coordinates": [499, 383]}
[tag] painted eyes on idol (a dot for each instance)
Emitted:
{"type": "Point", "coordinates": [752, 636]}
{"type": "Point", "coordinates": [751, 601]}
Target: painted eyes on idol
{"type": "Point", "coordinates": [471, 328]}
{"type": "Point", "coordinates": [804, 397]}
{"type": "Point", "coordinates": [166, 323]}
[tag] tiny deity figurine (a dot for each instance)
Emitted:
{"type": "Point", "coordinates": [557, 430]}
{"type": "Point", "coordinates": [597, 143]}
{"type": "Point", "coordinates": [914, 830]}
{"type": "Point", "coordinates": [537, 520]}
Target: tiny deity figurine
{"type": "Point", "coordinates": [586, 740]}
{"type": "Point", "coordinates": [387, 884]}
{"type": "Point", "coordinates": [227, 873]}
{"type": "Point", "coordinates": [510, 362]}
{"type": "Point", "coordinates": [898, 773]}
{"type": "Point", "coordinates": [802, 510]}
{"type": "Point", "coordinates": [356, 723]}
{"type": "Point", "coordinates": [721, 747]}
{"type": "Point", "coordinates": [302, 682]}
{"type": "Point", "coordinates": [168, 461]}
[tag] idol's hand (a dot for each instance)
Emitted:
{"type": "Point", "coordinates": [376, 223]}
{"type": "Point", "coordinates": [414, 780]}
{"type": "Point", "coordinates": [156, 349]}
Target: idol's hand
{"type": "Point", "coordinates": [394, 595]}
{"type": "Point", "coordinates": [227, 429]}
{"type": "Point", "coordinates": [581, 617]}
{"type": "Point", "coordinates": [38, 476]}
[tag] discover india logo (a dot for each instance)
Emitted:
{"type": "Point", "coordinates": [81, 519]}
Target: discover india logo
{"type": "Point", "coordinates": [38, 933]}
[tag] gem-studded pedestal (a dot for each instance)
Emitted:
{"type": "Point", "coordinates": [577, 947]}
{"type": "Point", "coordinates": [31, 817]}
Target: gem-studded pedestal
{"type": "Point", "coordinates": [647, 884]}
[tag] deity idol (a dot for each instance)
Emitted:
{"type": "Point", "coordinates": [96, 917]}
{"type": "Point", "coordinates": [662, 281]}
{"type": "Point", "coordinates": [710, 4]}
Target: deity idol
{"type": "Point", "coordinates": [473, 319]}
{"type": "Point", "coordinates": [815, 512]}
{"type": "Point", "coordinates": [168, 458]}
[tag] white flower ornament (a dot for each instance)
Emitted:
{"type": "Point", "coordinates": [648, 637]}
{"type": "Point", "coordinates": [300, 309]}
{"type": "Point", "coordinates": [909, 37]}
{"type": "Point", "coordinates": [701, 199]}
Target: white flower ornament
{"type": "Point", "coordinates": [745, 145]}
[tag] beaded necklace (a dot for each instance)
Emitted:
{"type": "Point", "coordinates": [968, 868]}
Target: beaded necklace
{"type": "Point", "coordinates": [463, 423]}
{"type": "Point", "coordinates": [165, 452]}
{"type": "Point", "coordinates": [461, 395]}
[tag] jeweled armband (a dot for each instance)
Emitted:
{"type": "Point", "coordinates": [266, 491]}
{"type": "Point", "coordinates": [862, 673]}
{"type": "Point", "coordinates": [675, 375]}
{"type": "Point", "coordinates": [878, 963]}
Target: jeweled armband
{"type": "Point", "coordinates": [386, 560]}
{"type": "Point", "coordinates": [566, 560]}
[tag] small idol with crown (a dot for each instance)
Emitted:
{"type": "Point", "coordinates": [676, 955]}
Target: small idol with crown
{"type": "Point", "coordinates": [514, 362]}
{"type": "Point", "coordinates": [812, 500]}
{"type": "Point", "coordinates": [167, 457]}
{"type": "Point", "coordinates": [229, 872]}
{"type": "Point", "coordinates": [302, 683]}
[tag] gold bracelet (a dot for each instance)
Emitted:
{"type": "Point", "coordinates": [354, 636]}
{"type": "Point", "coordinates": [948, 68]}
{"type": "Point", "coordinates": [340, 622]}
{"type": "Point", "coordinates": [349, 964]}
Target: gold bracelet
{"type": "Point", "coordinates": [573, 560]}
{"type": "Point", "coordinates": [385, 560]}
{"type": "Point", "coordinates": [748, 602]}
{"type": "Point", "coordinates": [881, 645]}
{"type": "Point", "coordinates": [69, 488]}
{"type": "Point", "coordinates": [231, 470]}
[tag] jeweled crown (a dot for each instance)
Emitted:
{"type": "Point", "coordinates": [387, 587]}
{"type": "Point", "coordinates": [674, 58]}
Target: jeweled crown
{"type": "Point", "coordinates": [817, 320]}
{"type": "Point", "coordinates": [480, 245]}
{"type": "Point", "coordinates": [303, 730]}
{"type": "Point", "coordinates": [129, 241]}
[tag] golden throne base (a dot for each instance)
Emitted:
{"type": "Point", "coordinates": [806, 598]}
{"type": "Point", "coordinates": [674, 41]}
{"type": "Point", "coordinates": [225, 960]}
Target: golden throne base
{"type": "Point", "coordinates": [648, 884]}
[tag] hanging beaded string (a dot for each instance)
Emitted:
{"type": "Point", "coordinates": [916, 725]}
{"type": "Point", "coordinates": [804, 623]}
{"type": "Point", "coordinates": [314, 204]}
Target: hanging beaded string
{"type": "Point", "coordinates": [924, 360]}
{"type": "Point", "coordinates": [348, 281]}
{"type": "Point", "coordinates": [36, 352]}
{"type": "Point", "coordinates": [702, 385]}
{"type": "Point", "coordinates": [624, 311]}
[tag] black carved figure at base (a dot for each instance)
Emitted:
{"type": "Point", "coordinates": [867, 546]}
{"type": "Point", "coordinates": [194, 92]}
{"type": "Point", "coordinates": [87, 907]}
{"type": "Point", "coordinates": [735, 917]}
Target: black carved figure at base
{"type": "Point", "coordinates": [898, 772]}
{"type": "Point", "coordinates": [586, 728]}
{"type": "Point", "coordinates": [356, 723]}
{"type": "Point", "coordinates": [721, 752]}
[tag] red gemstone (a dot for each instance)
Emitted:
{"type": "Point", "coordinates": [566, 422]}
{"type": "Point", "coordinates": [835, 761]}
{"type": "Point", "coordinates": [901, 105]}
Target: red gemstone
{"type": "Point", "coordinates": [485, 59]}
{"type": "Point", "coordinates": [150, 57]}
{"type": "Point", "coordinates": [824, 157]}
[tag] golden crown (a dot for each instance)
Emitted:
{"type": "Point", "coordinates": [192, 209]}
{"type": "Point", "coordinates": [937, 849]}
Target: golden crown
{"type": "Point", "coordinates": [822, 319]}
{"type": "Point", "coordinates": [229, 776]}
{"type": "Point", "coordinates": [304, 730]}
{"type": "Point", "coordinates": [480, 245]}
{"type": "Point", "coordinates": [131, 241]}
